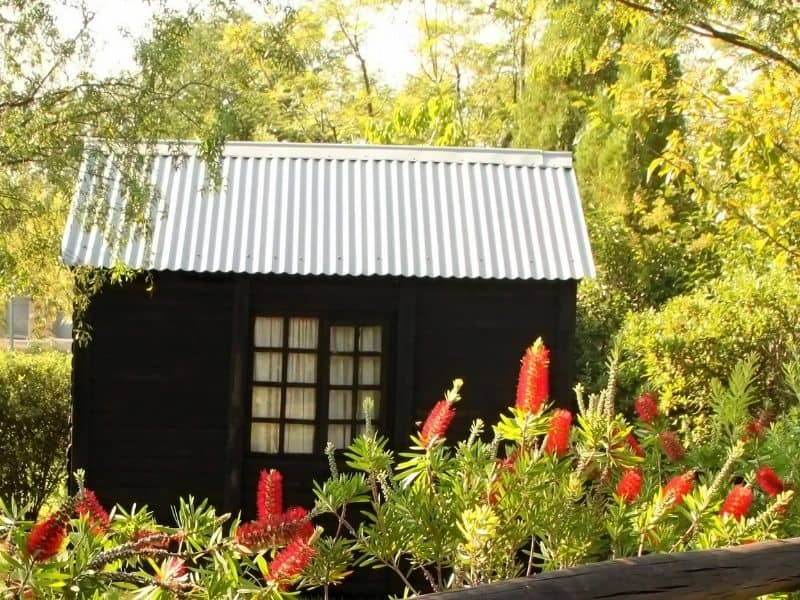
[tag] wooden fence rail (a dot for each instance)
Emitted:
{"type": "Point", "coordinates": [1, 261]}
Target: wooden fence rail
{"type": "Point", "coordinates": [734, 573]}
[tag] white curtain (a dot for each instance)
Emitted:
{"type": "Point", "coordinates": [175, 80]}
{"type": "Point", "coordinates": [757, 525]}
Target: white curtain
{"type": "Point", "coordinates": [269, 332]}
{"type": "Point", "coordinates": [302, 368]}
{"type": "Point", "coordinates": [268, 367]}
{"type": "Point", "coordinates": [369, 339]}
{"type": "Point", "coordinates": [342, 339]}
{"type": "Point", "coordinates": [341, 370]}
{"type": "Point", "coordinates": [298, 439]}
{"type": "Point", "coordinates": [264, 437]}
{"type": "Point", "coordinates": [339, 435]}
{"type": "Point", "coordinates": [266, 402]}
{"type": "Point", "coordinates": [369, 370]}
{"type": "Point", "coordinates": [300, 403]}
{"type": "Point", "coordinates": [303, 333]}
{"type": "Point", "coordinates": [340, 404]}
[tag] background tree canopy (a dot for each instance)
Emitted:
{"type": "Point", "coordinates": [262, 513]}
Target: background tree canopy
{"type": "Point", "coordinates": [682, 116]}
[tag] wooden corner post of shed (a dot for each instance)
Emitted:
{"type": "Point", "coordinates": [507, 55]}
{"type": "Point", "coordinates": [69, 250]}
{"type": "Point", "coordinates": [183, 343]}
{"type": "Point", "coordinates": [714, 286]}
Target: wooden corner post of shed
{"type": "Point", "coordinates": [240, 336]}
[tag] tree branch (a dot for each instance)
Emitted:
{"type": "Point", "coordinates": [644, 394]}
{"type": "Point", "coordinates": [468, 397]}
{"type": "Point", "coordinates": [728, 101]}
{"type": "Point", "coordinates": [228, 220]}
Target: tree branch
{"type": "Point", "coordinates": [706, 29]}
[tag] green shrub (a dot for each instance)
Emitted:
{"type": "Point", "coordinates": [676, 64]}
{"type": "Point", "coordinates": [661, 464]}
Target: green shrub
{"type": "Point", "coordinates": [34, 428]}
{"type": "Point", "coordinates": [696, 338]}
{"type": "Point", "coordinates": [542, 491]}
{"type": "Point", "coordinates": [601, 311]}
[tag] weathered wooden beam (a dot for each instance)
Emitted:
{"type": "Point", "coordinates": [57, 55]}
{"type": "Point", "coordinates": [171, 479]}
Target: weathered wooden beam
{"type": "Point", "coordinates": [733, 573]}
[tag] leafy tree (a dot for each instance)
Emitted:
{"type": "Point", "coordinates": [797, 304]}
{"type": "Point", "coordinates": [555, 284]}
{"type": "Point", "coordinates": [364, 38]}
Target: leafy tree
{"type": "Point", "coordinates": [50, 101]}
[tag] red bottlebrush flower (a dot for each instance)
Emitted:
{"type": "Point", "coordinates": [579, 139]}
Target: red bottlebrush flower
{"type": "Point", "coordinates": [533, 385]}
{"type": "Point", "coordinates": [647, 407]}
{"type": "Point", "coordinates": [769, 481]}
{"type": "Point", "coordinates": [634, 445]}
{"type": "Point", "coordinates": [755, 430]}
{"type": "Point", "coordinates": [671, 445]}
{"type": "Point", "coordinates": [269, 496]}
{"type": "Point", "coordinates": [295, 519]}
{"type": "Point", "coordinates": [738, 501]}
{"type": "Point", "coordinates": [630, 485]}
{"type": "Point", "coordinates": [46, 536]}
{"type": "Point", "coordinates": [260, 536]}
{"type": "Point", "coordinates": [558, 432]}
{"type": "Point", "coordinates": [251, 534]}
{"type": "Point", "coordinates": [679, 486]}
{"type": "Point", "coordinates": [290, 562]}
{"type": "Point", "coordinates": [88, 505]}
{"type": "Point", "coordinates": [437, 422]}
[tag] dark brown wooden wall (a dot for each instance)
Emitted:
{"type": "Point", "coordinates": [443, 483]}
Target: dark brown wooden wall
{"type": "Point", "coordinates": [478, 331]}
{"type": "Point", "coordinates": [154, 416]}
{"type": "Point", "coordinates": [151, 392]}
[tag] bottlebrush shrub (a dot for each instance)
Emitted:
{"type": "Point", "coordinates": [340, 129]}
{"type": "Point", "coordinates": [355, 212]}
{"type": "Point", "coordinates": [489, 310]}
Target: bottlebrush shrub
{"type": "Point", "coordinates": [546, 490]}
{"type": "Point", "coordinates": [543, 489]}
{"type": "Point", "coordinates": [80, 551]}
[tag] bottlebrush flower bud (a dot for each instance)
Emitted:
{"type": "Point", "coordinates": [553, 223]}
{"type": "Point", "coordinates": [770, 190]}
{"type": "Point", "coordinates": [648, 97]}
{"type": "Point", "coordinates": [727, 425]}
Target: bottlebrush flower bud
{"type": "Point", "coordinates": [647, 407]}
{"type": "Point", "coordinates": [290, 562]}
{"type": "Point", "coordinates": [671, 445]}
{"type": "Point", "coordinates": [558, 432]}
{"type": "Point", "coordinates": [634, 445]}
{"type": "Point", "coordinates": [533, 385]}
{"type": "Point", "coordinates": [769, 481]}
{"type": "Point", "coordinates": [679, 486]}
{"type": "Point", "coordinates": [737, 502]}
{"type": "Point", "coordinates": [269, 496]}
{"type": "Point", "coordinates": [437, 422]}
{"type": "Point", "coordinates": [87, 505]}
{"type": "Point", "coordinates": [148, 538]}
{"type": "Point", "coordinates": [46, 537]}
{"type": "Point", "coordinates": [630, 485]}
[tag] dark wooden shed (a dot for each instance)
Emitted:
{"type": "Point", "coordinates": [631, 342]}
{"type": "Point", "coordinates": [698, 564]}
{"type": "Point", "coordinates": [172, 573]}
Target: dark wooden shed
{"type": "Point", "coordinates": [316, 276]}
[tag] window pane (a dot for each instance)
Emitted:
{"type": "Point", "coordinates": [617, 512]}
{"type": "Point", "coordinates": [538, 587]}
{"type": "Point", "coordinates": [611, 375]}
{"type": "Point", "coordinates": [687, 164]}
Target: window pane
{"type": "Point", "coordinates": [369, 370]}
{"type": "Point", "coordinates": [303, 333]}
{"type": "Point", "coordinates": [302, 368]}
{"type": "Point", "coordinates": [369, 339]}
{"type": "Point", "coordinates": [339, 435]}
{"type": "Point", "coordinates": [300, 403]}
{"type": "Point", "coordinates": [341, 370]}
{"type": "Point", "coordinates": [268, 366]}
{"type": "Point", "coordinates": [340, 404]}
{"type": "Point", "coordinates": [267, 402]}
{"type": "Point", "coordinates": [343, 339]}
{"type": "Point", "coordinates": [269, 332]}
{"type": "Point", "coordinates": [298, 439]}
{"type": "Point", "coordinates": [264, 437]}
{"type": "Point", "coordinates": [375, 395]}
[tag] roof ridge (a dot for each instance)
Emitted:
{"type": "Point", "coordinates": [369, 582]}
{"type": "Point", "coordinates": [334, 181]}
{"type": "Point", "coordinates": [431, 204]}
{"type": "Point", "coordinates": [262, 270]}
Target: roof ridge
{"type": "Point", "coordinates": [447, 154]}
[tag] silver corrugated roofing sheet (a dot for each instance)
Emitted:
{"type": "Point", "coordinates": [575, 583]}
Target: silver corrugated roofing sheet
{"type": "Point", "coordinates": [314, 209]}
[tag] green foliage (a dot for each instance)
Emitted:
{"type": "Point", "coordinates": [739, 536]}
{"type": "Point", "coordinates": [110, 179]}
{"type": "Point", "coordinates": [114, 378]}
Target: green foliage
{"type": "Point", "coordinates": [438, 516]}
{"type": "Point", "coordinates": [132, 554]}
{"type": "Point", "coordinates": [697, 338]}
{"type": "Point", "coordinates": [476, 512]}
{"type": "Point", "coordinates": [34, 428]}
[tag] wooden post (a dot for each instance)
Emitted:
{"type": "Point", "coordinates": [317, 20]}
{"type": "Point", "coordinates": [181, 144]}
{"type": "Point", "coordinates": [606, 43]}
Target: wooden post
{"type": "Point", "coordinates": [240, 345]}
{"type": "Point", "coordinates": [732, 573]}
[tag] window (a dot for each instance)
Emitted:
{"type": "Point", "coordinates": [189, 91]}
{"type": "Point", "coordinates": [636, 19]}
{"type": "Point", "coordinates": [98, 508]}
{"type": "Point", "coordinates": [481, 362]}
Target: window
{"type": "Point", "coordinates": [311, 378]}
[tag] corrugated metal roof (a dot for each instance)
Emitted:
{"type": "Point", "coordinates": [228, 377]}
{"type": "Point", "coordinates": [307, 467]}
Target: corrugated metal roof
{"type": "Point", "coordinates": [316, 209]}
